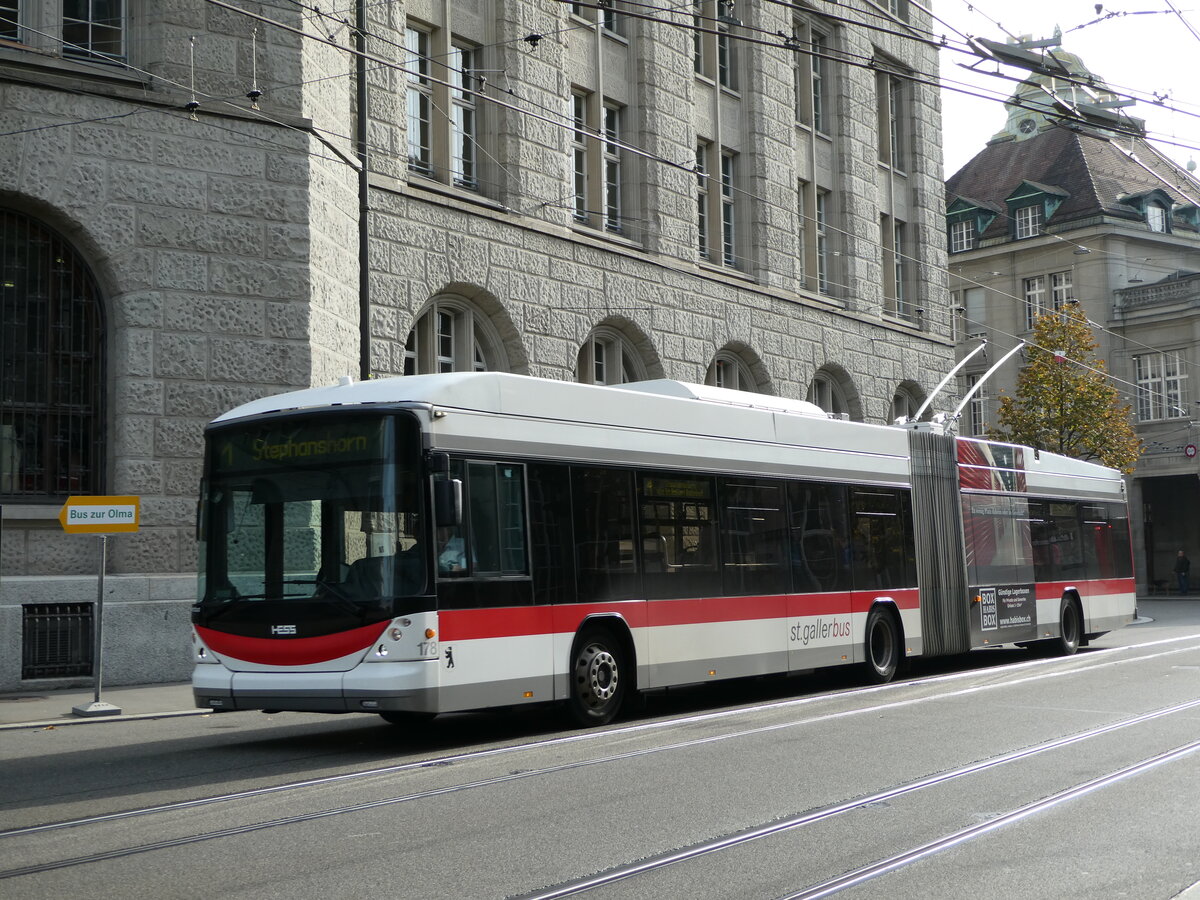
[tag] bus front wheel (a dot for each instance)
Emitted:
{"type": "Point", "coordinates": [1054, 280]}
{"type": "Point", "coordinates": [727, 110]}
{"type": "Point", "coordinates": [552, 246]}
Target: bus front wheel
{"type": "Point", "coordinates": [598, 677]}
{"type": "Point", "coordinates": [882, 645]}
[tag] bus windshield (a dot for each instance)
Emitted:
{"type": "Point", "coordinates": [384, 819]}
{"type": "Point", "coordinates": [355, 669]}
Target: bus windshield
{"type": "Point", "coordinates": [321, 514]}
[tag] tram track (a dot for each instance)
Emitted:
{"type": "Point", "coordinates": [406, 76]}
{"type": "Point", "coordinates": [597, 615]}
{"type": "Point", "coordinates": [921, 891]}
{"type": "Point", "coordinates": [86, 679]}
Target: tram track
{"type": "Point", "coordinates": [881, 867]}
{"type": "Point", "coordinates": [725, 843]}
{"type": "Point", "coordinates": [1095, 660]}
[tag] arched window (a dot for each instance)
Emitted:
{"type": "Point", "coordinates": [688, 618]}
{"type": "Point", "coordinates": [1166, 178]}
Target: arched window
{"type": "Point", "coordinates": [450, 335]}
{"type": "Point", "coordinates": [729, 370]}
{"type": "Point", "coordinates": [905, 403]}
{"type": "Point", "coordinates": [607, 357]}
{"type": "Point", "coordinates": [827, 393]}
{"type": "Point", "coordinates": [51, 365]}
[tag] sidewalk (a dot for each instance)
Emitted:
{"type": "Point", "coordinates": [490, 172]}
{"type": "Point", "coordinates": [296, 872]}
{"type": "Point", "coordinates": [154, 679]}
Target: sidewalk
{"type": "Point", "coordinates": [34, 709]}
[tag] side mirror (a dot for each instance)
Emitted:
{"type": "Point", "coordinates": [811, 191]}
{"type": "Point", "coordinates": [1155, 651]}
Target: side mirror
{"type": "Point", "coordinates": [447, 502]}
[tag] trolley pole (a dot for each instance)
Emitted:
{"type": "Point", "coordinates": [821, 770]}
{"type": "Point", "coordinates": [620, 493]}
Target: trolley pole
{"type": "Point", "coordinates": [100, 516]}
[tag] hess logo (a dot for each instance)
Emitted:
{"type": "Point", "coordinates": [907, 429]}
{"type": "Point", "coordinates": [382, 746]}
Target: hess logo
{"type": "Point", "coordinates": [283, 629]}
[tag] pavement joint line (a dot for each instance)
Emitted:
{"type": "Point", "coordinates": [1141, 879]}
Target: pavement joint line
{"type": "Point", "coordinates": [13, 726]}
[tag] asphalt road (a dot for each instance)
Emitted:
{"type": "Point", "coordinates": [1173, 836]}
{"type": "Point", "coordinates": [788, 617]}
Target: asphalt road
{"type": "Point", "coordinates": [999, 774]}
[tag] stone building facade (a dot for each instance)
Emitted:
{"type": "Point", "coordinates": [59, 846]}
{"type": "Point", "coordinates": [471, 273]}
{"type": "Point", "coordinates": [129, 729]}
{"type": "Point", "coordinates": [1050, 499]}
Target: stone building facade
{"type": "Point", "coordinates": [206, 202]}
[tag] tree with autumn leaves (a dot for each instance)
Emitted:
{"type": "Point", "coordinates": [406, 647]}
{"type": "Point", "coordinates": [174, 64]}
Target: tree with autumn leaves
{"type": "Point", "coordinates": [1065, 402]}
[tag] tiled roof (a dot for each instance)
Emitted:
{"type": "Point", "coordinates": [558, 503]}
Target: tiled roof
{"type": "Point", "coordinates": [1093, 170]}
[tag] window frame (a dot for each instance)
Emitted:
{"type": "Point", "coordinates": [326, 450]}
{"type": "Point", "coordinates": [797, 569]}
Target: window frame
{"type": "Point", "coordinates": [471, 340]}
{"type": "Point", "coordinates": [1028, 221]}
{"type": "Point", "coordinates": [42, 25]}
{"type": "Point", "coordinates": [962, 236]}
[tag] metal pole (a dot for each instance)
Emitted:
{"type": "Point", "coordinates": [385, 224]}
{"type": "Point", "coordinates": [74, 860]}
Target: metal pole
{"type": "Point", "coordinates": [98, 707]}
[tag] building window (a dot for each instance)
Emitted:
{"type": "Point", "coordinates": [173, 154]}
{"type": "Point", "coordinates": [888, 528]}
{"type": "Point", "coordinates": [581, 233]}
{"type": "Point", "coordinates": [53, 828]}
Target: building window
{"type": "Point", "coordinates": [827, 394]}
{"type": "Point", "coordinates": [420, 101]}
{"type": "Point", "coordinates": [713, 51]}
{"type": "Point", "coordinates": [894, 266]}
{"type": "Point", "coordinates": [898, 8]}
{"type": "Point", "coordinates": [579, 154]}
{"type": "Point", "coordinates": [802, 231]}
{"type": "Point", "coordinates": [51, 365]}
{"type": "Point", "coordinates": [702, 198]}
{"type": "Point", "coordinates": [607, 357]}
{"type": "Point", "coordinates": [81, 29]}
{"type": "Point", "coordinates": [1161, 386]}
{"type": "Point", "coordinates": [716, 204]}
{"type": "Point", "coordinates": [606, 13]}
{"type": "Point", "coordinates": [726, 55]}
{"type": "Point", "coordinates": [464, 79]}
{"type": "Point", "coordinates": [728, 211]}
{"type": "Point", "coordinates": [976, 424]}
{"type": "Point", "coordinates": [904, 406]}
{"type": "Point", "coordinates": [613, 220]}
{"type": "Point", "coordinates": [893, 113]}
{"type": "Point", "coordinates": [822, 225]}
{"type": "Point", "coordinates": [1035, 299]}
{"type": "Point", "coordinates": [1029, 221]}
{"type": "Point", "coordinates": [442, 80]}
{"type": "Point", "coordinates": [1156, 218]}
{"type": "Point", "coordinates": [598, 162]}
{"type": "Point", "coordinates": [729, 371]}
{"type": "Point", "coordinates": [962, 236]}
{"type": "Point", "coordinates": [1062, 289]}
{"type": "Point", "coordinates": [452, 336]}
{"type": "Point", "coordinates": [969, 310]}
{"type": "Point", "coordinates": [9, 10]}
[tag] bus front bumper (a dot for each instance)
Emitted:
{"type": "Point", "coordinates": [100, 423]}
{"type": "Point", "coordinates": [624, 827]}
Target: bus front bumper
{"type": "Point", "coordinates": [376, 687]}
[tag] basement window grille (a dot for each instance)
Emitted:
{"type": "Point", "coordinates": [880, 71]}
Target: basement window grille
{"type": "Point", "coordinates": [56, 640]}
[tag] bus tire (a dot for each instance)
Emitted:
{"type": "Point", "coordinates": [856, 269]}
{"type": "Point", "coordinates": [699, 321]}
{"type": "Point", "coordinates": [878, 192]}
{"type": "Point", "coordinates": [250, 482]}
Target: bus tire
{"type": "Point", "coordinates": [1070, 627]}
{"type": "Point", "coordinates": [398, 717]}
{"type": "Point", "coordinates": [882, 645]}
{"type": "Point", "coordinates": [598, 678]}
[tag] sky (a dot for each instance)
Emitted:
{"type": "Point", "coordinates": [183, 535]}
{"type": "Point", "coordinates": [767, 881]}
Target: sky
{"type": "Point", "coordinates": [1145, 49]}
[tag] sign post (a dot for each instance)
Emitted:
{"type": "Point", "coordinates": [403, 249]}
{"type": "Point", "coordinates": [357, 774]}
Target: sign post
{"type": "Point", "coordinates": [101, 516]}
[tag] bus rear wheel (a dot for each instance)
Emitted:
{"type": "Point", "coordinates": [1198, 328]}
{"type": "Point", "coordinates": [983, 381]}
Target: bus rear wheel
{"type": "Point", "coordinates": [598, 678]}
{"type": "Point", "coordinates": [882, 645]}
{"type": "Point", "coordinates": [1070, 628]}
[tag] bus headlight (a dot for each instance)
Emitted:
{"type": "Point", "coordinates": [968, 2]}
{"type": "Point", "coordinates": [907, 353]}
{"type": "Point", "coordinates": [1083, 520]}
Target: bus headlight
{"type": "Point", "coordinates": [381, 651]}
{"type": "Point", "coordinates": [395, 634]}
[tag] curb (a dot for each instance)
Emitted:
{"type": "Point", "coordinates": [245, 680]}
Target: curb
{"type": "Point", "coordinates": [133, 717]}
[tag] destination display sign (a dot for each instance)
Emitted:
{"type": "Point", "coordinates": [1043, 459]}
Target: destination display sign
{"type": "Point", "coordinates": [313, 442]}
{"type": "Point", "coordinates": [100, 515]}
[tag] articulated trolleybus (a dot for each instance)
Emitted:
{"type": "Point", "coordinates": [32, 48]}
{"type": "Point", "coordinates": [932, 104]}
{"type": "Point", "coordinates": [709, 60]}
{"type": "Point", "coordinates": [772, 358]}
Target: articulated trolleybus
{"type": "Point", "coordinates": [417, 545]}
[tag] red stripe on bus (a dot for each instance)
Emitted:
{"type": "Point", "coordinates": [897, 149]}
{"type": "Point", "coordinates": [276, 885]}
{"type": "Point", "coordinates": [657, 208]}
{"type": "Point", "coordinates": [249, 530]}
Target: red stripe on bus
{"type": "Point", "coordinates": [1099, 587]}
{"type": "Point", "coordinates": [291, 651]}
{"type": "Point", "coordinates": [476, 624]}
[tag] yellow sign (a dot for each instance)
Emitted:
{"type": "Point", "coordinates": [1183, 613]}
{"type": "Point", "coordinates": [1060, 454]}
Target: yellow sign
{"type": "Point", "coordinates": [100, 515]}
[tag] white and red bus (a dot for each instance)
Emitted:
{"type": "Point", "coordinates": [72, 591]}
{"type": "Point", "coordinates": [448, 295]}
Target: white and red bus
{"type": "Point", "coordinates": [417, 545]}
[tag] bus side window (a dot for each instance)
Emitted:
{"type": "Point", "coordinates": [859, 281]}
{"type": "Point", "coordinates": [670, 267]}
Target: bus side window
{"type": "Point", "coordinates": [752, 537]}
{"type": "Point", "coordinates": [606, 564]}
{"type": "Point", "coordinates": [550, 535]}
{"type": "Point", "coordinates": [883, 558]}
{"type": "Point", "coordinates": [677, 517]}
{"type": "Point", "coordinates": [820, 538]}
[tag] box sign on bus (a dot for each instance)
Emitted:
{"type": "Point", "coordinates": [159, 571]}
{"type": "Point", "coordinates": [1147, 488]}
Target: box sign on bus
{"type": "Point", "coordinates": [616, 539]}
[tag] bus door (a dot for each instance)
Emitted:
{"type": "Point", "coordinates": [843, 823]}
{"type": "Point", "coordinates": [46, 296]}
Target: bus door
{"type": "Point", "coordinates": [883, 559]}
{"type": "Point", "coordinates": [819, 627]}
